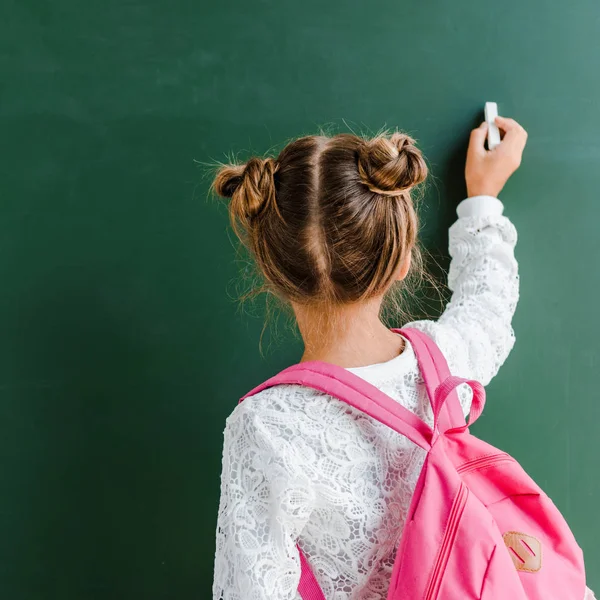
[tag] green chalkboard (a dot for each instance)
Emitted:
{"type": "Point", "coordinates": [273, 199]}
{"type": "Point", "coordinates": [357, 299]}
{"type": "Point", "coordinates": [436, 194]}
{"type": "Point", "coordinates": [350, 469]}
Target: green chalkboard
{"type": "Point", "coordinates": [122, 349]}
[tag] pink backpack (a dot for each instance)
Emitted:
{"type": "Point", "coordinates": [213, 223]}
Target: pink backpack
{"type": "Point", "coordinates": [478, 526]}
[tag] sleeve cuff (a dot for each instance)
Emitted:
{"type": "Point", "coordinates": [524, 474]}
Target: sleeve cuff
{"type": "Point", "coordinates": [480, 206]}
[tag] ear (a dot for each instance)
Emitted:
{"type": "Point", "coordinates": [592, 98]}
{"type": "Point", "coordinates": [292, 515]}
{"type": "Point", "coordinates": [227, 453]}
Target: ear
{"type": "Point", "coordinates": [404, 268]}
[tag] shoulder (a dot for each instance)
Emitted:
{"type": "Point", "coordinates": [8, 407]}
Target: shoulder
{"type": "Point", "coordinates": [273, 407]}
{"type": "Point", "coordinates": [280, 419]}
{"type": "Point", "coordinates": [292, 421]}
{"type": "Point", "coordinates": [453, 345]}
{"type": "Point", "coordinates": [466, 347]}
{"type": "Point", "coordinates": [456, 352]}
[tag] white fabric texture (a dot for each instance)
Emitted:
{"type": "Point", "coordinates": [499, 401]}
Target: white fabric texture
{"type": "Point", "coordinates": [480, 206]}
{"type": "Point", "coordinates": [300, 467]}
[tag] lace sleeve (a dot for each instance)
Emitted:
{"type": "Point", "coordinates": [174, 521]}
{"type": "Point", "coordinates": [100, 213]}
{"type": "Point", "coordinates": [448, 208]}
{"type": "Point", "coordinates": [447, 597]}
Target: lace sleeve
{"type": "Point", "coordinates": [475, 331]}
{"type": "Point", "coordinates": [264, 506]}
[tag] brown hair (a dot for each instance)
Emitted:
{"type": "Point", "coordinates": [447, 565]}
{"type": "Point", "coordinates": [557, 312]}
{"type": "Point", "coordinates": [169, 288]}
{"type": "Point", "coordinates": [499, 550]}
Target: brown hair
{"type": "Point", "coordinates": [331, 219]}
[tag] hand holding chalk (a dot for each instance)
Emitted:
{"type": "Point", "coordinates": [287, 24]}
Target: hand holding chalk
{"type": "Point", "coordinates": [487, 171]}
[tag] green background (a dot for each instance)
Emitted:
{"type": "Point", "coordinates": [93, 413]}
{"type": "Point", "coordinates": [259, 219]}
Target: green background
{"type": "Point", "coordinates": [122, 349]}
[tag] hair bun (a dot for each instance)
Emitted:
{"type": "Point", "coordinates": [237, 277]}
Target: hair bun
{"type": "Point", "coordinates": [228, 180]}
{"type": "Point", "coordinates": [251, 188]}
{"type": "Point", "coordinates": [391, 165]}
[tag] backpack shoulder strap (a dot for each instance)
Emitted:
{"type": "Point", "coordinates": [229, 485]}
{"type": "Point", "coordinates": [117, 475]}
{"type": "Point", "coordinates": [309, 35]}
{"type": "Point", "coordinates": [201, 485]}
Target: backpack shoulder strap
{"type": "Point", "coordinates": [308, 586]}
{"type": "Point", "coordinates": [435, 371]}
{"type": "Point", "coordinates": [355, 391]}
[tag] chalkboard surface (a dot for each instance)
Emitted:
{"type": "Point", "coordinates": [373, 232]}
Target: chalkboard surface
{"type": "Point", "coordinates": [122, 349]}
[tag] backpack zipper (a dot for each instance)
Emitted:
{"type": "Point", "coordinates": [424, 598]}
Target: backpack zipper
{"type": "Point", "coordinates": [483, 461]}
{"type": "Point", "coordinates": [454, 518]}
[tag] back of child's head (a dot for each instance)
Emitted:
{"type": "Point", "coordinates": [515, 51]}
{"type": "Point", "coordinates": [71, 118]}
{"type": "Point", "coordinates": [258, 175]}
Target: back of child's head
{"type": "Point", "coordinates": [331, 219]}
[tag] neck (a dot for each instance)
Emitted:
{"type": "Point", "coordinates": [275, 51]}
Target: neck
{"type": "Point", "coordinates": [348, 336]}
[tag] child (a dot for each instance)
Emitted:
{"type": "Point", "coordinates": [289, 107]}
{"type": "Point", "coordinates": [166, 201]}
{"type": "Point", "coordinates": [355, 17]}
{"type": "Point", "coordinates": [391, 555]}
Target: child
{"type": "Point", "coordinates": [332, 227]}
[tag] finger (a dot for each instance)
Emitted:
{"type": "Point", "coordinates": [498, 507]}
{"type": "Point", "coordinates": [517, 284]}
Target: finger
{"type": "Point", "coordinates": [477, 140]}
{"type": "Point", "coordinates": [515, 147]}
{"type": "Point", "coordinates": [508, 124]}
{"type": "Point", "coordinates": [515, 139]}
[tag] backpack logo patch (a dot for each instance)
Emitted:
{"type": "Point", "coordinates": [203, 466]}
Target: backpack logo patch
{"type": "Point", "coordinates": [525, 551]}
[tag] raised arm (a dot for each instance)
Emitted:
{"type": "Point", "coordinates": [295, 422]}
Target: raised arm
{"type": "Point", "coordinates": [475, 331]}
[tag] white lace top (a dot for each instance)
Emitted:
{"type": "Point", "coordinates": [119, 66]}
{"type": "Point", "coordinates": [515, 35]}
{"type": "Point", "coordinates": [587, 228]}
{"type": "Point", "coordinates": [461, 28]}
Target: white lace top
{"type": "Point", "coordinates": [300, 467]}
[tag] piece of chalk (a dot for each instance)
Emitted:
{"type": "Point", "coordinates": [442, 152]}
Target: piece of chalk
{"type": "Point", "coordinates": [491, 112]}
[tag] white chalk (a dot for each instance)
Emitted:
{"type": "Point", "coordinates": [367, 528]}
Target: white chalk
{"type": "Point", "coordinates": [491, 112]}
